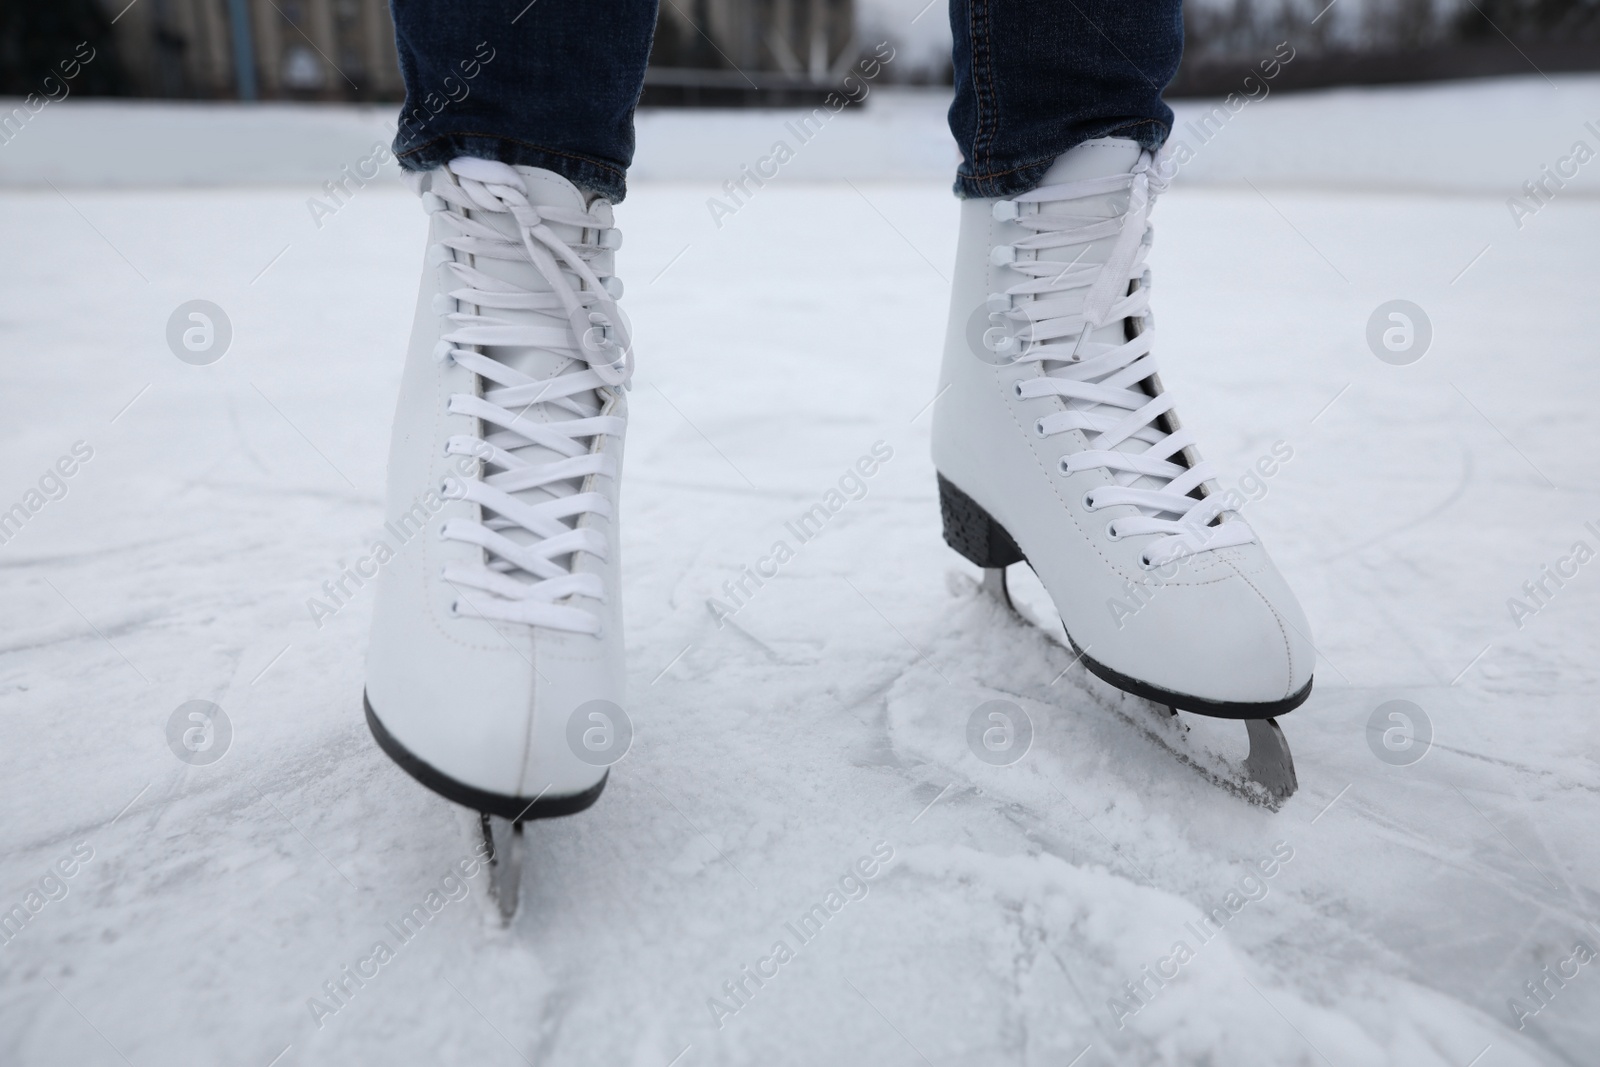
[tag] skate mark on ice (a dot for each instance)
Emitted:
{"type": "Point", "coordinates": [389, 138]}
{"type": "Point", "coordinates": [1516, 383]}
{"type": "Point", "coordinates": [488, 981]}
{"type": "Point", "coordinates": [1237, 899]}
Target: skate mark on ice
{"type": "Point", "coordinates": [1455, 494]}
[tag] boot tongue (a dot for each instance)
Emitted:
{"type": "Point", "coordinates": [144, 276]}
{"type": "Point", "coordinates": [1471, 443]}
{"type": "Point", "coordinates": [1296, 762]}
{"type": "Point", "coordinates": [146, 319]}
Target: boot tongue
{"type": "Point", "coordinates": [1098, 158]}
{"type": "Point", "coordinates": [544, 189]}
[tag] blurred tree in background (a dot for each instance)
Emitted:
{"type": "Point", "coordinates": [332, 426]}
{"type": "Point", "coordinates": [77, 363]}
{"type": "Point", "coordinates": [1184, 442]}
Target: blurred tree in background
{"type": "Point", "coordinates": [1365, 42]}
{"type": "Point", "coordinates": [1532, 20]}
{"type": "Point", "coordinates": [1235, 28]}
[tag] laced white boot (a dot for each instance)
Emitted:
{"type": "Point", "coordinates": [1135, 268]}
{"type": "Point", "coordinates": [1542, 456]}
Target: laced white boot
{"type": "Point", "coordinates": [1056, 443]}
{"type": "Point", "coordinates": [499, 614]}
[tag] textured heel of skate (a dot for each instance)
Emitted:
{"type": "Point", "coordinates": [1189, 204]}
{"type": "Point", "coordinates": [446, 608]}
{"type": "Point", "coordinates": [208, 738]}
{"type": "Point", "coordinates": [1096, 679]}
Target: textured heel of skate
{"type": "Point", "coordinates": [972, 532]}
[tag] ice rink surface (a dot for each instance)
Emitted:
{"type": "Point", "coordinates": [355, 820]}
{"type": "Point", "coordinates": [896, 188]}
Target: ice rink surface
{"type": "Point", "coordinates": [828, 717]}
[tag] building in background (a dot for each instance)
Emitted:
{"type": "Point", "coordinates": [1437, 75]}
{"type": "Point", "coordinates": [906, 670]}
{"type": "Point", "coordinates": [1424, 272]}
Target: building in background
{"type": "Point", "coordinates": [750, 52]}
{"type": "Point", "coordinates": [707, 52]}
{"type": "Point", "coordinates": [259, 49]}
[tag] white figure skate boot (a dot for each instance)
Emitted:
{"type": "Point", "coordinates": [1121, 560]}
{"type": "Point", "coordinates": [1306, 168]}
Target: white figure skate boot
{"type": "Point", "coordinates": [498, 621]}
{"type": "Point", "coordinates": [1056, 444]}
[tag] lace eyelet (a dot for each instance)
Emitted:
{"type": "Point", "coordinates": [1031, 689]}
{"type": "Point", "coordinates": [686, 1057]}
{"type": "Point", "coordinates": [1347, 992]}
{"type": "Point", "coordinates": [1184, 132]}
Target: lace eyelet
{"type": "Point", "coordinates": [1112, 534]}
{"type": "Point", "coordinates": [1016, 388]}
{"type": "Point", "coordinates": [455, 608]}
{"type": "Point", "coordinates": [1088, 502]}
{"type": "Point", "coordinates": [1038, 428]}
{"type": "Point", "coordinates": [1145, 564]}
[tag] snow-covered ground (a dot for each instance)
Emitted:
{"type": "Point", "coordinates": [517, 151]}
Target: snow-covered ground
{"type": "Point", "coordinates": [828, 719]}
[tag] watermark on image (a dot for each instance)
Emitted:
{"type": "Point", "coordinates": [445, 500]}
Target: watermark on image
{"type": "Point", "coordinates": [51, 888]}
{"type": "Point", "coordinates": [338, 191]}
{"type": "Point", "coordinates": [52, 485]}
{"type": "Point", "coordinates": [1153, 978]}
{"type": "Point", "coordinates": [851, 487]}
{"type": "Point", "coordinates": [339, 591]}
{"type": "Point", "coordinates": [199, 732]}
{"type": "Point", "coordinates": [430, 103]}
{"type": "Point", "coordinates": [52, 90]}
{"type": "Point", "coordinates": [1399, 733]}
{"type": "Point", "coordinates": [852, 886]}
{"type": "Point", "coordinates": [987, 335]}
{"type": "Point", "coordinates": [1538, 192]}
{"type": "Point", "coordinates": [338, 991]}
{"type": "Point", "coordinates": [1255, 88]}
{"type": "Point", "coordinates": [1251, 488]}
{"type": "Point", "coordinates": [599, 732]}
{"type": "Point", "coordinates": [1541, 589]}
{"type": "Point", "coordinates": [1542, 989]}
{"type": "Point", "coordinates": [199, 332]}
{"type": "Point", "coordinates": [1399, 332]}
{"type": "Point", "coordinates": [999, 732]}
{"type": "Point", "coordinates": [738, 191]}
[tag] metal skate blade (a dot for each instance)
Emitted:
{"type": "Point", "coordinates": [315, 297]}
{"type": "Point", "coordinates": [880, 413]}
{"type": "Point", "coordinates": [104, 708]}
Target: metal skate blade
{"type": "Point", "coordinates": [504, 838]}
{"type": "Point", "coordinates": [1269, 762]}
{"type": "Point", "coordinates": [994, 583]}
{"type": "Point", "coordinates": [1019, 589]}
{"type": "Point", "coordinates": [1266, 777]}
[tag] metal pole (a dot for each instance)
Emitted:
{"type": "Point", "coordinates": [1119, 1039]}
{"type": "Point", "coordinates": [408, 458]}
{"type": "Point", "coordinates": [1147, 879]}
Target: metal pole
{"type": "Point", "coordinates": [244, 49]}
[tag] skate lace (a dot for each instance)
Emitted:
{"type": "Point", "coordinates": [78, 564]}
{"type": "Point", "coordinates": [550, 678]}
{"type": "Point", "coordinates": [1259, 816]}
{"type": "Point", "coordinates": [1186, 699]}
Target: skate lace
{"type": "Point", "coordinates": [529, 548]}
{"type": "Point", "coordinates": [1109, 391]}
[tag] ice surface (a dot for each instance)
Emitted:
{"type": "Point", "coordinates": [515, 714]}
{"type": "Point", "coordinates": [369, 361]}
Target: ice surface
{"type": "Point", "coordinates": [829, 714]}
{"type": "Point", "coordinates": [1486, 136]}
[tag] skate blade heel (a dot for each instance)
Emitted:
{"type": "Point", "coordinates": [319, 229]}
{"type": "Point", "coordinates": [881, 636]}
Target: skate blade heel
{"type": "Point", "coordinates": [1270, 763]}
{"type": "Point", "coordinates": [971, 531]}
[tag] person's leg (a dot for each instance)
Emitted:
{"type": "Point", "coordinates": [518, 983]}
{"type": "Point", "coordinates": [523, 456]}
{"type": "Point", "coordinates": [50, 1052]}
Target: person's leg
{"type": "Point", "coordinates": [495, 671]}
{"type": "Point", "coordinates": [1054, 440]}
{"type": "Point", "coordinates": [1035, 78]}
{"type": "Point", "coordinates": [547, 85]}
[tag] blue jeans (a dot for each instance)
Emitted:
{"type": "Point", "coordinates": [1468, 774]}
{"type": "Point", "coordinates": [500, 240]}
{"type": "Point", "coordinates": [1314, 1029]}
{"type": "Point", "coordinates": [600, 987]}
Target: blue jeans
{"type": "Point", "coordinates": [554, 83]}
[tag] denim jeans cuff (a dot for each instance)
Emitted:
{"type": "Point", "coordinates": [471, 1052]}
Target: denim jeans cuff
{"type": "Point", "coordinates": [588, 174]}
{"type": "Point", "coordinates": [1012, 181]}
